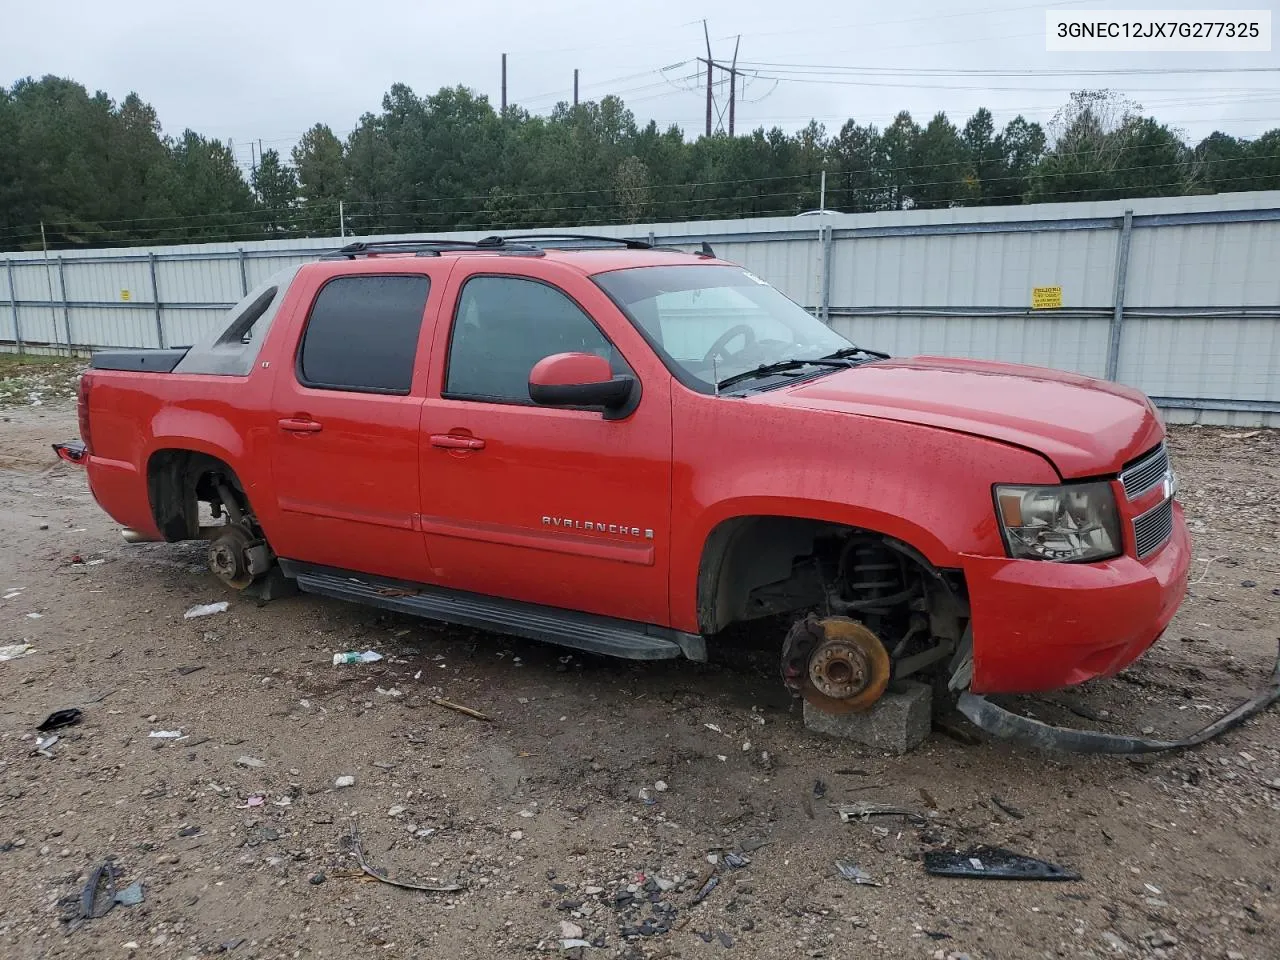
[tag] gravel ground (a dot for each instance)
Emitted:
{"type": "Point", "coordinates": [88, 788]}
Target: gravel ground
{"type": "Point", "coordinates": [240, 834]}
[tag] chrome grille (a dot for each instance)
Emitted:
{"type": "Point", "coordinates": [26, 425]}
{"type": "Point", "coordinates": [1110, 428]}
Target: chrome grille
{"type": "Point", "coordinates": [1153, 528]}
{"type": "Point", "coordinates": [1145, 473]}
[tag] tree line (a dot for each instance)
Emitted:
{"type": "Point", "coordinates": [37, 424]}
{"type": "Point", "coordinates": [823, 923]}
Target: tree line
{"type": "Point", "coordinates": [96, 173]}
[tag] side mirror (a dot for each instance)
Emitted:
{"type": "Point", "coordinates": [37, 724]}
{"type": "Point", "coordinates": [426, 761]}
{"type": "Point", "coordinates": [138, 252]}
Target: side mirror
{"type": "Point", "coordinates": [582, 380]}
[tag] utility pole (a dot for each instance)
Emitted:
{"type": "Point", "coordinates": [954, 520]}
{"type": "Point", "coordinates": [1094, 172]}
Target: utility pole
{"type": "Point", "coordinates": [710, 64]}
{"type": "Point", "coordinates": [575, 86]}
{"type": "Point", "coordinates": [504, 84]}
{"type": "Point", "coordinates": [733, 82]}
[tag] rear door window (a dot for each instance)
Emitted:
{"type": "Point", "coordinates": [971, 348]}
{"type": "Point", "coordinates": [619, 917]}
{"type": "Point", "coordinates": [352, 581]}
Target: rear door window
{"type": "Point", "coordinates": [362, 334]}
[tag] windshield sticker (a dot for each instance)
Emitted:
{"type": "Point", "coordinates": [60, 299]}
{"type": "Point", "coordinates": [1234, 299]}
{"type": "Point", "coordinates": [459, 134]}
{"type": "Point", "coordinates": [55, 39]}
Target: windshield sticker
{"type": "Point", "coordinates": [751, 276]}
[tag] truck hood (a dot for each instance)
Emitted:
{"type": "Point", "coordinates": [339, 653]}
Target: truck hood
{"type": "Point", "coordinates": [1085, 427]}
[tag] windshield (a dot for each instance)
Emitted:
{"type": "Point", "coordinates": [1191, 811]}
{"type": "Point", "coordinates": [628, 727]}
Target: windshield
{"type": "Point", "coordinates": [711, 323]}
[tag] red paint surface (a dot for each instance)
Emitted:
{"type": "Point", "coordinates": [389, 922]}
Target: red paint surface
{"type": "Point", "coordinates": [564, 508]}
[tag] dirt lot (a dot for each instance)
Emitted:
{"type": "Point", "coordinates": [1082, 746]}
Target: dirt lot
{"type": "Point", "coordinates": [538, 813]}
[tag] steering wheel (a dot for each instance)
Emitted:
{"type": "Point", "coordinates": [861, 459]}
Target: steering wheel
{"type": "Point", "coordinates": [717, 348]}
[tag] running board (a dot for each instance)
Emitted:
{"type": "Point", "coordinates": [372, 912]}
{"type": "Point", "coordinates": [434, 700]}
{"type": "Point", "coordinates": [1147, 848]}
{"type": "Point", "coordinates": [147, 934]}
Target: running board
{"type": "Point", "coordinates": [568, 628]}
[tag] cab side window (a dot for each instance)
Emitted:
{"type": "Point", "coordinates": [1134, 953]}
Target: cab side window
{"type": "Point", "coordinates": [362, 334]}
{"type": "Point", "coordinates": [505, 325]}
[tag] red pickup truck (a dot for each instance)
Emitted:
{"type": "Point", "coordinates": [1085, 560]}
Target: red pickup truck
{"type": "Point", "coordinates": [625, 449]}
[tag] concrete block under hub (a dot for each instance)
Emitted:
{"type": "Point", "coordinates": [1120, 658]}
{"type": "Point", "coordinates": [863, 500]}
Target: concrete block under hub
{"type": "Point", "coordinates": [899, 721]}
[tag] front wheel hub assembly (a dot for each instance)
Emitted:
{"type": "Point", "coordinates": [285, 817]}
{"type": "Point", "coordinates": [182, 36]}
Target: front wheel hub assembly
{"type": "Point", "coordinates": [231, 557]}
{"type": "Point", "coordinates": [836, 664]}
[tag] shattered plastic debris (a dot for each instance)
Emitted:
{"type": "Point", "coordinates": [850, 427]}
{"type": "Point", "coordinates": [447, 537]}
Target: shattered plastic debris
{"type": "Point", "coordinates": [351, 656]}
{"type": "Point", "coordinates": [165, 735]}
{"type": "Point", "coordinates": [34, 616]}
{"type": "Point", "coordinates": [713, 727]}
{"type": "Point", "coordinates": [993, 863]}
{"type": "Point", "coordinates": [206, 609]}
{"type": "Point", "coordinates": [736, 860]}
{"type": "Point", "coordinates": [257, 800]}
{"type": "Point", "coordinates": [43, 744]}
{"type": "Point", "coordinates": [59, 719]}
{"type": "Point", "coordinates": [855, 874]}
{"type": "Point", "coordinates": [863, 811]}
{"type": "Point", "coordinates": [705, 889]}
{"type": "Point", "coordinates": [575, 942]}
{"type": "Point", "coordinates": [15, 650]}
{"type": "Point", "coordinates": [130, 896]}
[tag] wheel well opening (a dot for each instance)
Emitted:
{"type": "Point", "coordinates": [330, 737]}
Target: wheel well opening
{"type": "Point", "coordinates": [178, 481]}
{"type": "Point", "coordinates": [761, 566]}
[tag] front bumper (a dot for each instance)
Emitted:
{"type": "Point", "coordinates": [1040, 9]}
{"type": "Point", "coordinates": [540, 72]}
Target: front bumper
{"type": "Point", "coordinates": [1041, 626]}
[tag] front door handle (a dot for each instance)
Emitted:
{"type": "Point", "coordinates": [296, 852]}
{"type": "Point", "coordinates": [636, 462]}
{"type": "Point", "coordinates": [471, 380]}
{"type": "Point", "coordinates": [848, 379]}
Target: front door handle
{"type": "Point", "coordinates": [298, 425]}
{"type": "Point", "coordinates": [451, 441]}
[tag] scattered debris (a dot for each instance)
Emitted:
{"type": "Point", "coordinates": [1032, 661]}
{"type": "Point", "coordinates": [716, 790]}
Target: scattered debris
{"type": "Point", "coordinates": [993, 863]}
{"type": "Point", "coordinates": [819, 789]}
{"type": "Point", "coordinates": [736, 861]}
{"type": "Point", "coordinates": [647, 797]}
{"type": "Point", "coordinates": [1008, 808]}
{"type": "Point", "coordinates": [713, 727]}
{"type": "Point", "coordinates": [187, 671]}
{"type": "Point", "coordinates": [726, 941]}
{"type": "Point", "coordinates": [661, 786]}
{"type": "Point", "coordinates": [165, 735]}
{"type": "Point", "coordinates": [358, 852]}
{"type": "Point", "coordinates": [855, 874]}
{"type": "Point", "coordinates": [703, 891]}
{"type": "Point", "coordinates": [864, 811]}
{"type": "Point", "coordinates": [344, 782]}
{"type": "Point", "coordinates": [205, 610]}
{"type": "Point", "coordinates": [252, 762]}
{"type": "Point", "coordinates": [393, 692]}
{"type": "Point", "coordinates": [369, 656]}
{"type": "Point", "coordinates": [569, 944]}
{"type": "Point", "coordinates": [34, 616]}
{"type": "Point", "coordinates": [316, 878]}
{"type": "Point", "coordinates": [1007, 725]}
{"type": "Point", "coordinates": [99, 893]}
{"type": "Point", "coordinates": [43, 744]}
{"type": "Point", "coordinates": [61, 718]}
{"type": "Point", "coordinates": [254, 800]}
{"type": "Point", "coordinates": [449, 704]}
{"type": "Point", "coordinates": [130, 896]}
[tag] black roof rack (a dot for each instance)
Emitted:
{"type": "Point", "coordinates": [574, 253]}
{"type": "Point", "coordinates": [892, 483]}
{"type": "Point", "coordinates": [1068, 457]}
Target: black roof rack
{"type": "Point", "coordinates": [432, 248]}
{"type": "Point", "coordinates": [550, 239]}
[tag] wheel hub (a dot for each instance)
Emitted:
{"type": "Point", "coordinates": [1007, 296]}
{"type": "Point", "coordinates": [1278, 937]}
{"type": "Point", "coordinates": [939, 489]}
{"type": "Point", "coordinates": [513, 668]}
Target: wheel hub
{"type": "Point", "coordinates": [837, 664]}
{"type": "Point", "coordinates": [229, 559]}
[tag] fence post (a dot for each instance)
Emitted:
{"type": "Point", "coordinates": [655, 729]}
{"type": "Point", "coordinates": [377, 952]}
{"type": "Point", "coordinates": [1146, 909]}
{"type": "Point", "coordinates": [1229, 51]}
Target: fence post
{"type": "Point", "coordinates": [13, 305]}
{"type": "Point", "coordinates": [824, 311]}
{"type": "Point", "coordinates": [244, 275]}
{"type": "Point", "coordinates": [1117, 315]}
{"type": "Point", "coordinates": [155, 299]}
{"type": "Point", "coordinates": [66, 306]}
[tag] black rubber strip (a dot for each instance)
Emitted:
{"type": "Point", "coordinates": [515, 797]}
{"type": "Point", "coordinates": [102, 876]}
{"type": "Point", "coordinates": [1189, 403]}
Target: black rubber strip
{"type": "Point", "coordinates": [1006, 725]}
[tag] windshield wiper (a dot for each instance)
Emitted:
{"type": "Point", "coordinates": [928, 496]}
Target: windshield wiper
{"type": "Point", "coordinates": [844, 352]}
{"type": "Point", "coordinates": [779, 366]}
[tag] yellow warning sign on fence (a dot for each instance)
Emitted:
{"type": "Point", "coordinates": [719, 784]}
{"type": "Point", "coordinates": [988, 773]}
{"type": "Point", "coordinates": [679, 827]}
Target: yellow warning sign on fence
{"type": "Point", "coordinates": [125, 295]}
{"type": "Point", "coordinates": [1046, 298]}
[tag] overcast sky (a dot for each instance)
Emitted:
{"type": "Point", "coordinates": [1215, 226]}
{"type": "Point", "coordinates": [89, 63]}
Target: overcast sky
{"type": "Point", "coordinates": [269, 70]}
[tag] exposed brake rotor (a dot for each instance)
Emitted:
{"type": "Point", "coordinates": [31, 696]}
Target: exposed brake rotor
{"type": "Point", "coordinates": [231, 556]}
{"type": "Point", "coordinates": [837, 664]}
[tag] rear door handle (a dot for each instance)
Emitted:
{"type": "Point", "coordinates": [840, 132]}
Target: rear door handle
{"type": "Point", "coordinates": [451, 441]}
{"type": "Point", "coordinates": [296, 425]}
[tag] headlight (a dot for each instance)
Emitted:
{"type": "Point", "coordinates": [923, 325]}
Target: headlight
{"type": "Point", "coordinates": [1069, 523]}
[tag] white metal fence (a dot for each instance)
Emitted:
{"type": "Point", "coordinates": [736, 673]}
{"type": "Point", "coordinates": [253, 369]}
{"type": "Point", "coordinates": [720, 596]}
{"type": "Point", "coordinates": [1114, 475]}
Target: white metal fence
{"type": "Point", "coordinates": [1177, 296]}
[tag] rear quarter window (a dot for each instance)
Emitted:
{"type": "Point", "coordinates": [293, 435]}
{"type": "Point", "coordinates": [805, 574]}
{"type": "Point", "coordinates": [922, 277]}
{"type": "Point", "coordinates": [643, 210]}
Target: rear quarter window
{"type": "Point", "coordinates": [362, 334]}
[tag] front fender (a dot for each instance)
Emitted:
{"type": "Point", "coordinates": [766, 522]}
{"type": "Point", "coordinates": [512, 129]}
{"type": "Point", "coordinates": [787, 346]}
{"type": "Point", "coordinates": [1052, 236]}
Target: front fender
{"type": "Point", "coordinates": [927, 487]}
